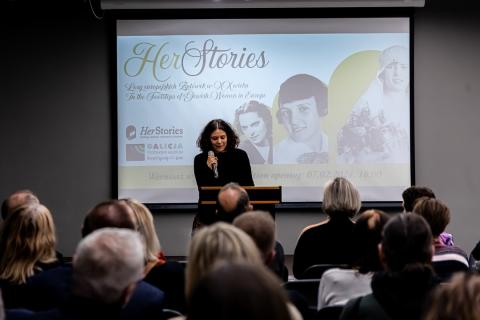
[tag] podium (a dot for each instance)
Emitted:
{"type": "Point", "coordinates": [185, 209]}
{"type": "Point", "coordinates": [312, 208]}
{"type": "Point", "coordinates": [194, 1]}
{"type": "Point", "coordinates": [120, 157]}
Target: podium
{"type": "Point", "coordinates": [261, 198]}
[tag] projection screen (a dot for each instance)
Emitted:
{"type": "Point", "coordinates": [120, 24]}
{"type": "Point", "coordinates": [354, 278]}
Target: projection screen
{"type": "Point", "coordinates": [332, 99]}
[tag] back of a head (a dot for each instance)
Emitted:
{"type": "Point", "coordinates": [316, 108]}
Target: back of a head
{"type": "Point", "coordinates": [260, 226]}
{"type": "Point", "coordinates": [340, 197]}
{"type": "Point", "coordinates": [27, 238]}
{"type": "Point", "coordinates": [17, 199]}
{"type": "Point", "coordinates": [220, 241]}
{"type": "Point", "coordinates": [407, 243]}
{"type": "Point", "coordinates": [233, 200]}
{"type": "Point", "coordinates": [368, 234]}
{"type": "Point", "coordinates": [412, 193]}
{"type": "Point", "coordinates": [106, 262]}
{"type": "Point", "coordinates": [238, 291]}
{"type": "Point", "coordinates": [458, 299]}
{"type": "Point", "coordinates": [146, 228]}
{"type": "Point", "coordinates": [112, 213]}
{"type": "Point", "coordinates": [435, 212]}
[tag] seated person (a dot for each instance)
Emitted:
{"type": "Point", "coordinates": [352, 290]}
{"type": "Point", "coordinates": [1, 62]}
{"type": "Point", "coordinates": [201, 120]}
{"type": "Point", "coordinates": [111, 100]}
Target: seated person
{"type": "Point", "coordinates": [220, 242]}
{"type": "Point", "coordinates": [337, 286]}
{"type": "Point", "coordinates": [243, 292]}
{"type": "Point", "coordinates": [410, 195]}
{"type": "Point", "coordinates": [330, 241]}
{"type": "Point", "coordinates": [52, 287]}
{"type": "Point", "coordinates": [99, 291]}
{"type": "Point", "coordinates": [17, 199]}
{"type": "Point", "coordinates": [400, 291]}
{"type": "Point", "coordinates": [27, 246]}
{"type": "Point", "coordinates": [446, 259]}
{"type": "Point", "coordinates": [261, 227]}
{"type": "Point", "coordinates": [168, 276]}
{"type": "Point", "coordinates": [457, 299]}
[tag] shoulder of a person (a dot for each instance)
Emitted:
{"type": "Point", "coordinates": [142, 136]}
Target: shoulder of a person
{"type": "Point", "coordinates": [314, 227]}
{"type": "Point", "coordinates": [240, 151]}
{"type": "Point", "coordinates": [145, 289]}
{"type": "Point", "coordinates": [335, 272]}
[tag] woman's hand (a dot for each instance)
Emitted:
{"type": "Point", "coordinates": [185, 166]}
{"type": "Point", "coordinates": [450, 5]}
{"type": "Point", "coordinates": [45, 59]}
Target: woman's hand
{"type": "Point", "coordinates": [211, 160]}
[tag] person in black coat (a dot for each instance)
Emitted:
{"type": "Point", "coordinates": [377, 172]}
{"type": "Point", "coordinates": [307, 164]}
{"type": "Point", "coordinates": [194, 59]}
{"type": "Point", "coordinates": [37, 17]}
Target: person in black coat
{"type": "Point", "coordinates": [330, 241]}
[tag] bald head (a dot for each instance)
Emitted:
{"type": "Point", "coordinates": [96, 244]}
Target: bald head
{"type": "Point", "coordinates": [232, 201]}
{"type": "Point", "coordinates": [17, 199]}
{"type": "Point", "coordinates": [113, 213]}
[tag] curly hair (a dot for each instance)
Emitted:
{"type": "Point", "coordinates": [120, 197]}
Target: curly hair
{"type": "Point", "coordinates": [203, 141]}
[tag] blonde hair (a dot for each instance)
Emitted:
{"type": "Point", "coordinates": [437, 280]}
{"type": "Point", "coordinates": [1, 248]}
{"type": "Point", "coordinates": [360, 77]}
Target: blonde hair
{"type": "Point", "coordinates": [211, 244]}
{"type": "Point", "coordinates": [27, 238]}
{"type": "Point", "coordinates": [146, 228]}
{"type": "Point", "coordinates": [341, 197]}
{"type": "Point", "coordinates": [457, 299]}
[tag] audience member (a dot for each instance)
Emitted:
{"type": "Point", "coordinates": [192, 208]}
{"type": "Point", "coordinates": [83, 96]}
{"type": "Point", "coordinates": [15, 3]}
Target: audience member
{"type": "Point", "coordinates": [411, 194]}
{"type": "Point", "coordinates": [457, 299]}
{"type": "Point", "coordinates": [259, 225]}
{"type": "Point", "coordinates": [330, 241]}
{"type": "Point", "coordinates": [98, 290]}
{"type": "Point", "coordinates": [17, 199]}
{"type": "Point", "coordinates": [168, 276]}
{"type": "Point", "coordinates": [233, 201]}
{"type": "Point", "coordinates": [111, 213]}
{"type": "Point", "coordinates": [27, 247]}
{"type": "Point", "coordinates": [337, 285]}
{"type": "Point", "coordinates": [446, 259]}
{"type": "Point", "coordinates": [238, 291]}
{"type": "Point", "coordinates": [400, 291]}
{"type": "Point", "coordinates": [475, 257]}
{"type": "Point", "coordinates": [220, 242]}
{"type": "Point", "coordinates": [52, 287]}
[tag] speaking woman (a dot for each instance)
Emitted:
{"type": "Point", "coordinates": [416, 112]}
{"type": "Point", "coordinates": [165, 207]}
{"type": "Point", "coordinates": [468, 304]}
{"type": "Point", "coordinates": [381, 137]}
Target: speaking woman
{"type": "Point", "coordinates": [219, 163]}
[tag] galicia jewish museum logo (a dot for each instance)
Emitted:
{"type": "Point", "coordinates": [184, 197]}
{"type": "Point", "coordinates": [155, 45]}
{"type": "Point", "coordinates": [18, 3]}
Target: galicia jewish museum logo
{"type": "Point", "coordinates": [131, 132]}
{"type": "Point", "coordinates": [135, 152]}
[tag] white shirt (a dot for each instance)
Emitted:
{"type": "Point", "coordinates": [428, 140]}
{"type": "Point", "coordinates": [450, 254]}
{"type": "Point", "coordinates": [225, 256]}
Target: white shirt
{"type": "Point", "coordinates": [337, 286]}
{"type": "Point", "coordinates": [288, 151]}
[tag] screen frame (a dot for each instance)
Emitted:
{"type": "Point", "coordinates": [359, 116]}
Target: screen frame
{"type": "Point", "coordinates": [261, 13]}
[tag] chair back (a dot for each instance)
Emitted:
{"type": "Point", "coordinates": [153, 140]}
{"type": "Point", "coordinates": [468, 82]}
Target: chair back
{"type": "Point", "coordinates": [308, 288]}
{"type": "Point", "coordinates": [316, 271]}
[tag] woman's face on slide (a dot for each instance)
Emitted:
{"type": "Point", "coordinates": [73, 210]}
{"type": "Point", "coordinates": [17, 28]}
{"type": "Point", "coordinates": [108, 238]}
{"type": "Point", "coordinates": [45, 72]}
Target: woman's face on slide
{"type": "Point", "coordinates": [253, 127]}
{"type": "Point", "coordinates": [218, 139]}
{"type": "Point", "coordinates": [300, 118]}
{"type": "Point", "coordinates": [396, 76]}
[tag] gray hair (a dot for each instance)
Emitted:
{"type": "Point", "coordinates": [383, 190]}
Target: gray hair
{"type": "Point", "coordinates": [106, 262]}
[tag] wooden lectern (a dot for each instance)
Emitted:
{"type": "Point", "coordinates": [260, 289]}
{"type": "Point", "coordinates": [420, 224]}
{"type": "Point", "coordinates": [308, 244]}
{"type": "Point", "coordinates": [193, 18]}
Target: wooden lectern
{"type": "Point", "coordinates": [262, 198]}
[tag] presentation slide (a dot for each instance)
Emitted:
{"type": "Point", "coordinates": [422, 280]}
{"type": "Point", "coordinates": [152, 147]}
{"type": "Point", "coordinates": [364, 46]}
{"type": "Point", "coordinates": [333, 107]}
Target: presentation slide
{"type": "Point", "coordinates": [311, 99]}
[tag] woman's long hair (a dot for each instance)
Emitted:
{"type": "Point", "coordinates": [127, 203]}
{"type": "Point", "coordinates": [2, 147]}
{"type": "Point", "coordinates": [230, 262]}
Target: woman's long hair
{"type": "Point", "coordinates": [203, 141]}
{"type": "Point", "coordinates": [27, 239]}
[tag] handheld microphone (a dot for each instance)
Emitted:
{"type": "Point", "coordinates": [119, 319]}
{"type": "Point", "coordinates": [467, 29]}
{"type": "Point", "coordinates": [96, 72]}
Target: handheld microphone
{"type": "Point", "coordinates": [214, 166]}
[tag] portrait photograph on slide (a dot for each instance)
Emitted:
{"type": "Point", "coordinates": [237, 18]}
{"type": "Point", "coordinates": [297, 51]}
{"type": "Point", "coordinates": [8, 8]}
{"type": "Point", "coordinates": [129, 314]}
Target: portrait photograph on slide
{"type": "Point", "coordinates": [310, 99]}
